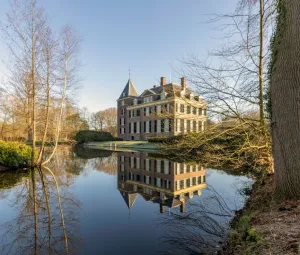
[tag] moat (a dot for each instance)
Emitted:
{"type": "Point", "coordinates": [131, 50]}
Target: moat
{"type": "Point", "coordinates": [117, 203]}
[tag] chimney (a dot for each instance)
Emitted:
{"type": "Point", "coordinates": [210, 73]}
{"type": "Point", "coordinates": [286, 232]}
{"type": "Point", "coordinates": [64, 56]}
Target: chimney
{"type": "Point", "coordinates": [163, 81]}
{"type": "Point", "coordinates": [183, 83]}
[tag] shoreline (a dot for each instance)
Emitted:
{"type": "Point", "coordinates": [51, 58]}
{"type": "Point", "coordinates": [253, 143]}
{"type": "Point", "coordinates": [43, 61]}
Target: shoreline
{"type": "Point", "coordinates": [125, 146]}
{"type": "Point", "coordinates": [265, 225]}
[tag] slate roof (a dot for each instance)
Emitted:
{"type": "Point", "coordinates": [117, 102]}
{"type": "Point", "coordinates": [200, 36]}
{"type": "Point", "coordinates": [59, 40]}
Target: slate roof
{"type": "Point", "coordinates": [171, 89]}
{"type": "Point", "coordinates": [129, 90]}
{"type": "Point", "coordinates": [172, 202]}
{"type": "Point", "coordinates": [129, 198]}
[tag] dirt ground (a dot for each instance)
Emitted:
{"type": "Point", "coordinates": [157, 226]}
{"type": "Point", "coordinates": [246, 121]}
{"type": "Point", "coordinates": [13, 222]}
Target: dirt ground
{"type": "Point", "coordinates": [277, 222]}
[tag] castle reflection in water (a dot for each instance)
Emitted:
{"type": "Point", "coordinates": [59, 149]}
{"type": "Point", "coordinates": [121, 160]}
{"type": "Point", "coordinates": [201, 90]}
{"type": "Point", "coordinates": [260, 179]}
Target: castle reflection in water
{"type": "Point", "coordinates": [169, 184]}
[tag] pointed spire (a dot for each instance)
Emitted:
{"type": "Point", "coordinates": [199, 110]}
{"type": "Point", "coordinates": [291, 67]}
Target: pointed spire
{"type": "Point", "coordinates": [129, 90]}
{"type": "Point", "coordinates": [129, 198]}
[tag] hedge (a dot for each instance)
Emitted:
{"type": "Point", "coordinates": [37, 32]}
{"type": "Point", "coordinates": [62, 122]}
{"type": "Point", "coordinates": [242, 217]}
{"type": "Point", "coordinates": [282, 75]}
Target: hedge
{"type": "Point", "coordinates": [85, 136]}
{"type": "Point", "coordinates": [14, 154]}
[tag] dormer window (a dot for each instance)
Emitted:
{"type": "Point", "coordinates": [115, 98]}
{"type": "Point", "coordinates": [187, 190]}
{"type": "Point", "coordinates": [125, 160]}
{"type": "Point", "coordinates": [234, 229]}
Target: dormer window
{"type": "Point", "coordinates": [163, 96]}
{"type": "Point", "coordinates": [123, 94]}
{"type": "Point", "coordinates": [148, 99]}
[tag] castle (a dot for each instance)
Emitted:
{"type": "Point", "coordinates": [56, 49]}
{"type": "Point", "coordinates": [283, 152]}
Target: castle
{"type": "Point", "coordinates": [161, 181]}
{"type": "Point", "coordinates": [161, 111]}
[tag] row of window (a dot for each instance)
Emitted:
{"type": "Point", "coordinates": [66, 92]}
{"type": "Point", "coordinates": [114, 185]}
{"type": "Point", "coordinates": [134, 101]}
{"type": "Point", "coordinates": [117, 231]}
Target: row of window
{"type": "Point", "coordinates": [182, 125]}
{"type": "Point", "coordinates": [160, 165]}
{"type": "Point", "coordinates": [189, 182]}
{"type": "Point", "coordinates": [182, 108]}
{"type": "Point", "coordinates": [150, 126]}
{"type": "Point", "coordinates": [158, 109]}
{"type": "Point", "coordinates": [184, 168]}
{"type": "Point", "coordinates": [163, 125]}
{"type": "Point", "coordinates": [164, 183]}
{"type": "Point", "coordinates": [149, 99]}
{"type": "Point", "coordinates": [158, 182]}
{"type": "Point", "coordinates": [147, 111]}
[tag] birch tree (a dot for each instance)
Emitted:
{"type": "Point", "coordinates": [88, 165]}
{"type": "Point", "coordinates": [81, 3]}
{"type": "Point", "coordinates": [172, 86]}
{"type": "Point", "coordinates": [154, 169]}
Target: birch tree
{"type": "Point", "coordinates": [69, 65]}
{"type": "Point", "coordinates": [24, 30]}
{"type": "Point", "coordinates": [50, 52]}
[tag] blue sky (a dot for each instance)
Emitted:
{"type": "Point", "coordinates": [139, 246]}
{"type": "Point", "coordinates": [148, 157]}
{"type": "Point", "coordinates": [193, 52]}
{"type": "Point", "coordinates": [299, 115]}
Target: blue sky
{"type": "Point", "coordinates": [147, 36]}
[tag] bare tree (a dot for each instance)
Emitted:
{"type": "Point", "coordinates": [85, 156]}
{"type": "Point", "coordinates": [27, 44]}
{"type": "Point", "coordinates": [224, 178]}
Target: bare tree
{"type": "Point", "coordinates": [46, 212]}
{"type": "Point", "coordinates": [96, 121]}
{"type": "Point", "coordinates": [105, 120]}
{"type": "Point", "coordinates": [232, 78]}
{"type": "Point", "coordinates": [110, 120]}
{"type": "Point", "coordinates": [201, 229]}
{"type": "Point", "coordinates": [232, 81]}
{"type": "Point", "coordinates": [42, 76]}
{"type": "Point", "coordinates": [25, 30]}
{"type": "Point", "coordinates": [50, 51]}
{"type": "Point", "coordinates": [70, 49]}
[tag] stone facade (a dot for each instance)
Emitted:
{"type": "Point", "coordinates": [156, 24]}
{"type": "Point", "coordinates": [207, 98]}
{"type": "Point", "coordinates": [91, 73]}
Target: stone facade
{"type": "Point", "coordinates": [162, 111]}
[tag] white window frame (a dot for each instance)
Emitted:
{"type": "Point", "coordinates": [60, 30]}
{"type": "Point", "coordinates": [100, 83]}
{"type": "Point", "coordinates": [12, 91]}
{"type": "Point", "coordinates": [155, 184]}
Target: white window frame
{"type": "Point", "coordinates": [166, 126]}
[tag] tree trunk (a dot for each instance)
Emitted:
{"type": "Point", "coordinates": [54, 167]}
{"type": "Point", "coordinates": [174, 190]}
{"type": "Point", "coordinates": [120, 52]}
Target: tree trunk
{"type": "Point", "coordinates": [285, 96]}
{"type": "Point", "coordinates": [35, 210]}
{"type": "Point", "coordinates": [28, 117]}
{"type": "Point", "coordinates": [40, 158]}
{"type": "Point", "coordinates": [33, 120]}
{"type": "Point", "coordinates": [261, 62]}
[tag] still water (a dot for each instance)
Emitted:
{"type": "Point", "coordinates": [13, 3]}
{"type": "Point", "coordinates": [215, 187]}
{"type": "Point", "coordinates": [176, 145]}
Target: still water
{"type": "Point", "coordinates": [99, 202]}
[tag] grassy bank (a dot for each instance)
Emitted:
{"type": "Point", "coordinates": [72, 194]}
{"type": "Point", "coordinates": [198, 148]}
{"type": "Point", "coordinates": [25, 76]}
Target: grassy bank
{"type": "Point", "coordinates": [52, 143]}
{"type": "Point", "coordinates": [266, 225]}
{"type": "Point", "coordinates": [124, 146]}
{"type": "Point", "coordinates": [14, 155]}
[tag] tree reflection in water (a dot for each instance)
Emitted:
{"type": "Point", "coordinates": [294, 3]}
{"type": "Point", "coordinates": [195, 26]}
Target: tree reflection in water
{"type": "Point", "coordinates": [201, 229]}
{"type": "Point", "coordinates": [46, 220]}
{"type": "Point", "coordinates": [101, 160]}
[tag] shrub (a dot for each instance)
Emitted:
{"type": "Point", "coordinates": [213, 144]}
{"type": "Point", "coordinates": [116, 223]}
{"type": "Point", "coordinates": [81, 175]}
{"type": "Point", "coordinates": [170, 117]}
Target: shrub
{"type": "Point", "coordinates": [244, 146]}
{"type": "Point", "coordinates": [14, 154]}
{"type": "Point", "coordinates": [157, 139]}
{"type": "Point", "coordinates": [85, 136]}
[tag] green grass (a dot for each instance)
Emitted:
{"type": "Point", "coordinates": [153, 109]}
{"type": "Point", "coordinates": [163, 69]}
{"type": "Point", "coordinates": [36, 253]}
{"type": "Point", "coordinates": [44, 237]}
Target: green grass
{"type": "Point", "coordinates": [242, 234]}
